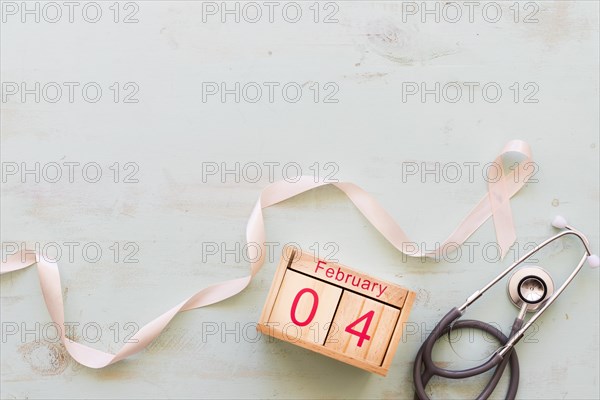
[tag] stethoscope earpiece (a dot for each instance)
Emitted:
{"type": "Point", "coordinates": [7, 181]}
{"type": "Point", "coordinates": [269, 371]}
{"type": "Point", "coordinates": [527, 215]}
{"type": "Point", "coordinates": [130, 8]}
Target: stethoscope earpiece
{"type": "Point", "coordinates": [559, 222]}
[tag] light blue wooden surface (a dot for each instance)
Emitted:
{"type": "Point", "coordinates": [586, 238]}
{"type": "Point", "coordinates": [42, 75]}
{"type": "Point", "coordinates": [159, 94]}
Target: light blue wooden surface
{"type": "Point", "coordinates": [370, 135]}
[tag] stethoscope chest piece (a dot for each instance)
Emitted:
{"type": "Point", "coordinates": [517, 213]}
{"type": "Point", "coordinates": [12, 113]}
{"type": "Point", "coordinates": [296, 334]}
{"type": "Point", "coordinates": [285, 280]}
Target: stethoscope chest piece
{"type": "Point", "coordinates": [530, 285]}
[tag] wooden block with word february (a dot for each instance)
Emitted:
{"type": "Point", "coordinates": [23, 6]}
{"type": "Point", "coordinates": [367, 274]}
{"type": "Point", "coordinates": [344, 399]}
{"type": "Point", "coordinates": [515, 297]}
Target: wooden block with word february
{"type": "Point", "coordinates": [336, 311]}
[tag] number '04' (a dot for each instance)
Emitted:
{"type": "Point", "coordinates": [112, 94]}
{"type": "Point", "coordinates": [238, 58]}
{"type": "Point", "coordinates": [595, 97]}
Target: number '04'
{"type": "Point", "coordinates": [362, 335]}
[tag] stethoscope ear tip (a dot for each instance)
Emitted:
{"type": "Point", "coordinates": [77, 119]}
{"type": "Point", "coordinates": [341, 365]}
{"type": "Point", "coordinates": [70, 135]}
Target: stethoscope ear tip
{"type": "Point", "coordinates": [593, 261]}
{"type": "Point", "coordinates": [559, 222]}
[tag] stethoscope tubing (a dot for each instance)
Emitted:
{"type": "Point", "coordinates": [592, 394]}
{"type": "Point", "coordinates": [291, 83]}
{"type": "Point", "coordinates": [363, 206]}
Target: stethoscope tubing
{"type": "Point", "coordinates": [424, 367]}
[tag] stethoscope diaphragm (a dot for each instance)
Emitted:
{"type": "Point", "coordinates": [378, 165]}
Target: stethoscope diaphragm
{"type": "Point", "coordinates": [530, 285]}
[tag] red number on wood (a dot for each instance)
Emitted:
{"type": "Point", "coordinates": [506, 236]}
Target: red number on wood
{"type": "Point", "coordinates": [313, 311]}
{"type": "Point", "coordinates": [362, 336]}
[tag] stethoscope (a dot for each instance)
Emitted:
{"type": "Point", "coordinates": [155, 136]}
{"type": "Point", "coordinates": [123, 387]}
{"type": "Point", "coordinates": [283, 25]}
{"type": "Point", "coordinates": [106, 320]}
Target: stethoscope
{"type": "Point", "coordinates": [530, 288]}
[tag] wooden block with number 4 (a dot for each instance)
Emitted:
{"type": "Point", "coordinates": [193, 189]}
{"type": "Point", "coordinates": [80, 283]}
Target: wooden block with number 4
{"type": "Point", "coordinates": [336, 311]}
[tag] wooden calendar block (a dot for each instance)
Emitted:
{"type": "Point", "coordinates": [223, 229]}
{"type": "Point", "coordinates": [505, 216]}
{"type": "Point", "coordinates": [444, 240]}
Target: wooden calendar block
{"type": "Point", "coordinates": [304, 308]}
{"type": "Point", "coordinates": [336, 311]}
{"type": "Point", "coordinates": [363, 328]}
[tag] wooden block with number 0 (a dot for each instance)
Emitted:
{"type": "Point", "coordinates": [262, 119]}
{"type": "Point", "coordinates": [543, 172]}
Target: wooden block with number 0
{"type": "Point", "coordinates": [336, 311]}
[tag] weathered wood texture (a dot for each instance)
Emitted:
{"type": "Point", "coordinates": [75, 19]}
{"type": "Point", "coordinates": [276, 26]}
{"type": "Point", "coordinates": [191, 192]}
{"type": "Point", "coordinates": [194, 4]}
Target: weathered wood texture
{"type": "Point", "coordinates": [184, 220]}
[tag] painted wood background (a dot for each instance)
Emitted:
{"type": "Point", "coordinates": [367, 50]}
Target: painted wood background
{"type": "Point", "coordinates": [409, 100]}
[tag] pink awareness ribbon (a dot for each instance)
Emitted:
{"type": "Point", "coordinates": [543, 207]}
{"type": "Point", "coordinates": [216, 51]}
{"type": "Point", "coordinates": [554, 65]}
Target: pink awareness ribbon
{"type": "Point", "coordinates": [496, 203]}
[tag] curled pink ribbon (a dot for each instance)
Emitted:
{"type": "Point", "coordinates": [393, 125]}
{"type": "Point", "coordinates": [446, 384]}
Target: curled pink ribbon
{"type": "Point", "coordinates": [501, 188]}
